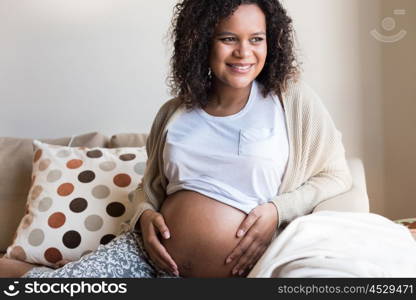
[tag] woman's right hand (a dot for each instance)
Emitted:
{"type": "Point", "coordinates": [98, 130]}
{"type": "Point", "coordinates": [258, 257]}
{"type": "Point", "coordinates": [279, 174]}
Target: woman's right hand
{"type": "Point", "coordinates": [152, 222]}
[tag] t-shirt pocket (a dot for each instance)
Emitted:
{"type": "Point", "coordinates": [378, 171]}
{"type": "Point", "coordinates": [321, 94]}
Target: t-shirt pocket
{"type": "Point", "coordinates": [259, 142]}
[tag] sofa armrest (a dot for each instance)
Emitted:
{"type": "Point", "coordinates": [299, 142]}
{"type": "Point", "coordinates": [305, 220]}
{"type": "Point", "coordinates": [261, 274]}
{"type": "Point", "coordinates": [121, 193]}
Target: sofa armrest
{"type": "Point", "coordinates": [354, 200]}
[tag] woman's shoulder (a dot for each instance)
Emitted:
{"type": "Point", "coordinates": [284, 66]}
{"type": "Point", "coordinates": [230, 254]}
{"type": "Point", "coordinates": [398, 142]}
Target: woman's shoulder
{"type": "Point", "coordinates": [170, 105]}
{"type": "Point", "coordinates": [168, 108]}
{"type": "Point", "coordinates": [167, 112]}
{"type": "Point", "coordinates": [301, 95]}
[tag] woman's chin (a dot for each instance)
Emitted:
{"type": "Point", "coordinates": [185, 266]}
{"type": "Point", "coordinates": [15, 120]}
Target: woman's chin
{"type": "Point", "coordinates": [239, 82]}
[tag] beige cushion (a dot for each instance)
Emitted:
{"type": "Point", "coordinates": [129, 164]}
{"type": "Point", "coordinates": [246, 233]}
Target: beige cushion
{"type": "Point", "coordinates": [356, 199]}
{"type": "Point", "coordinates": [15, 177]}
{"type": "Point", "coordinates": [80, 198]}
{"type": "Point", "coordinates": [128, 140]}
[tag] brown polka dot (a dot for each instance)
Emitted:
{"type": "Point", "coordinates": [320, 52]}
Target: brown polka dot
{"type": "Point", "coordinates": [94, 153]}
{"type": "Point", "coordinates": [27, 221]}
{"type": "Point", "coordinates": [86, 176]}
{"type": "Point", "coordinates": [56, 220]}
{"type": "Point", "coordinates": [127, 156]}
{"type": "Point", "coordinates": [78, 205]}
{"type": "Point", "coordinates": [115, 209]}
{"type": "Point", "coordinates": [18, 253]}
{"type": "Point", "coordinates": [122, 180]}
{"type": "Point", "coordinates": [52, 255]}
{"type": "Point", "coordinates": [44, 164]}
{"type": "Point", "coordinates": [107, 238]}
{"type": "Point", "coordinates": [71, 239]}
{"type": "Point", "coordinates": [36, 192]}
{"type": "Point", "coordinates": [37, 155]}
{"type": "Point", "coordinates": [74, 163]}
{"type": "Point", "coordinates": [65, 189]}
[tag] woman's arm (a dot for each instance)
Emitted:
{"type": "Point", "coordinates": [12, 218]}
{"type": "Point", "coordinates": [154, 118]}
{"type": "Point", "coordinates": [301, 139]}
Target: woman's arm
{"type": "Point", "coordinates": [317, 169]}
{"type": "Point", "coordinates": [332, 180]}
{"type": "Point", "coordinates": [150, 193]}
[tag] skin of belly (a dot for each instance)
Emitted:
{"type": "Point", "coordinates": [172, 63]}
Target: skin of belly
{"type": "Point", "coordinates": [203, 234]}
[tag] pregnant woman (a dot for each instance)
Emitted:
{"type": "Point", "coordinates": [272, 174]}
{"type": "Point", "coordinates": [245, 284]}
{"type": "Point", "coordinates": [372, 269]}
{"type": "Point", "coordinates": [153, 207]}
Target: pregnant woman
{"type": "Point", "coordinates": [244, 148]}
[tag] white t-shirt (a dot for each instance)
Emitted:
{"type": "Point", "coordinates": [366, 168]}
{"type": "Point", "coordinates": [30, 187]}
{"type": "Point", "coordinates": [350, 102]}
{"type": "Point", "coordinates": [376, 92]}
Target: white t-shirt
{"type": "Point", "coordinates": [238, 159]}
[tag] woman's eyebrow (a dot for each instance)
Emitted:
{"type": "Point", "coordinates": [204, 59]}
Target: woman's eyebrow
{"type": "Point", "coordinates": [230, 33]}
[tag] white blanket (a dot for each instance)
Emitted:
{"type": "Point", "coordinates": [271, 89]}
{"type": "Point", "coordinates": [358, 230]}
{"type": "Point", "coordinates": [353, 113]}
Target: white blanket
{"type": "Point", "coordinates": [340, 244]}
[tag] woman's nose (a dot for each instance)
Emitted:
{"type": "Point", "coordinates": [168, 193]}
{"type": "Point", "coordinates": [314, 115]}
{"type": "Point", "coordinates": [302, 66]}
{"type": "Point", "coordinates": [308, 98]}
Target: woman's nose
{"type": "Point", "coordinates": [242, 50]}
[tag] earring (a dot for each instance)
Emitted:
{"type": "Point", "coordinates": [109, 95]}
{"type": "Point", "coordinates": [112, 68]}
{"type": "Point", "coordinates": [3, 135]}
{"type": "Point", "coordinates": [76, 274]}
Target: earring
{"type": "Point", "coordinates": [209, 73]}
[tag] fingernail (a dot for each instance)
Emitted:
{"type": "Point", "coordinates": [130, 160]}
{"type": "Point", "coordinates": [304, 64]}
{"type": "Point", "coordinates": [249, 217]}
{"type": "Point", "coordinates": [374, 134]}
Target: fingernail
{"type": "Point", "coordinates": [228, 260]}
{"type": "Point", "coordinates": [240, 233]}
{"type": "Point", "coordinates": [166, 234]}
{"type": "Point", "coordinates": [234, 271]}
{"type": "Point", "coordinates": [241, 272]}
{"type": "Point", "coordinates": [176, 273]}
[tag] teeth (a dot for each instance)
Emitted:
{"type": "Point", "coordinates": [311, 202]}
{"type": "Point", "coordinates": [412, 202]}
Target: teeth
{"type": "Point", "coordinates": [241, 68]}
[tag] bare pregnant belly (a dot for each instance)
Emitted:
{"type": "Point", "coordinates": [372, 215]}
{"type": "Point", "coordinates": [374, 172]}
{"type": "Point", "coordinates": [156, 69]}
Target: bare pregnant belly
{"type": "Point", "coordinates": [203, 233]}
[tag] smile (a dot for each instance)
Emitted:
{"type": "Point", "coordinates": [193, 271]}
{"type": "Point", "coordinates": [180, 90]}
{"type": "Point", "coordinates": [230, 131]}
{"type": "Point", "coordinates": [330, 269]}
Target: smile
{"type": "Point", "coordinates": [240, 68]}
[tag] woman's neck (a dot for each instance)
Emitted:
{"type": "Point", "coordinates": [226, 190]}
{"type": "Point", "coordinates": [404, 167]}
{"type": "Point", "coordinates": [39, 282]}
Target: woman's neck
{"type": "Point", "coordinates": [228, 98]}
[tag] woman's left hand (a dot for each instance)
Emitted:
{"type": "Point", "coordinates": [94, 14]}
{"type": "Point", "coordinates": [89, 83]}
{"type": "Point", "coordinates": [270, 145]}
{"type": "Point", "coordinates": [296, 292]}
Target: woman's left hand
{"type": "Point", "coordinates": [258, 229]}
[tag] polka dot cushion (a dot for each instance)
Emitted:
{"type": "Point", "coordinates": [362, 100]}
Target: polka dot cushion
{"type": "Point", "coordinates": [79, 198]}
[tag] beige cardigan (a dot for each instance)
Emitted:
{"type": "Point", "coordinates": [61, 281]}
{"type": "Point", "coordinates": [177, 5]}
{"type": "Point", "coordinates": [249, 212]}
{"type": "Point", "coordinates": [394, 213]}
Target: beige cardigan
{"type": "Point", "coordinates": [317, 169]}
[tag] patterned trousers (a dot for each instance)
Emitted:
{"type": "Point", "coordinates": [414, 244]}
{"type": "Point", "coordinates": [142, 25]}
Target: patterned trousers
{"type": "Point", "coordinates": [123, 257]}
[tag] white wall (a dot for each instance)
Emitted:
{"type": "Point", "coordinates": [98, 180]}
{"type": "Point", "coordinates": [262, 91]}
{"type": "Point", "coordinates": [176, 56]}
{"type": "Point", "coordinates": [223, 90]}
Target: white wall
{"type": "Point", "coordinates": [69, 67]}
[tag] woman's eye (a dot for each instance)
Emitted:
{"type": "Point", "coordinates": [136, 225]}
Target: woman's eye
{"type": "Point", "coordinates": [228, 39]}
{"type": "Point", "coordinates": [257, 39]}
{"type": "Point", "coordinates": [233, 39]}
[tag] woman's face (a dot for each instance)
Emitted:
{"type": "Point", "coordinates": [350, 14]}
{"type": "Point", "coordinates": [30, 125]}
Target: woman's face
{"type": "Point", "coordinates": [239, 47]}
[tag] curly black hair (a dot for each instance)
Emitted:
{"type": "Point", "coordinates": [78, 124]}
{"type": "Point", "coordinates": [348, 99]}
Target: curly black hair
{"type": "Point", "coordinates": [192, 31]}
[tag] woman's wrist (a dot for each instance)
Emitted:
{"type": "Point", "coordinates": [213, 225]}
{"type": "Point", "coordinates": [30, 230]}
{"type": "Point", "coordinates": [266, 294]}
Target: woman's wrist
{"type": "Point", "coordinates": [144, 215]}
